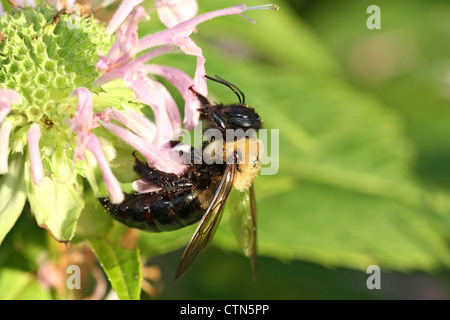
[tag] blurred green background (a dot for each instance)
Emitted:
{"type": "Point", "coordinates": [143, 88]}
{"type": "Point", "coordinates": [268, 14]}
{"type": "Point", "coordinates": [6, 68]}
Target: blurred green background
{"type": "Point", "coordinates": [363, 179]}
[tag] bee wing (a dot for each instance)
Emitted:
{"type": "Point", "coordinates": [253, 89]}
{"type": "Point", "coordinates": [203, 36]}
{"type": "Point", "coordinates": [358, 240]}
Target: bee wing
{"type": "Point", "coordinates": [210, 221]}
{"type": "Point", "coordinates": [243, 224]}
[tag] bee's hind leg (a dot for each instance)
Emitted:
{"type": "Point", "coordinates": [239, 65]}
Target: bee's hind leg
{"type": "Point", "coordinates": [165, 180]}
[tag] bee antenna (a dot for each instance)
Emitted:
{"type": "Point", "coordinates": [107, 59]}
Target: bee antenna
{"type": "Point", "coordinates": [233, 87]}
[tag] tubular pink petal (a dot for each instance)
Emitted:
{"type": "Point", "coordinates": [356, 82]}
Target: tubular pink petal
{"type": "Point", "coordinates": [160, 159]}
{"type": "Point", "coordinates": [7, 98]}
{"type": "Point", "coordinates": [23, 3]}
{"type": "Point", "coordinates": [109, 76]}
{"type": "Point", "coordinates": [153, 54]}
{"type": "Point", "coordinates": [179, 79]}
{"type": "Point", "coordinates": [119, 60]}
{"type": "Point", "coordinates": [70, 3]}
{"type": "Point", "coordinates": [182, 82]}
{"type": "Point", "coordinates": [84, 111]}
{"type": "Point", "coordinates": [83, 121]}
{"type": "Point", "coordinates": [189, 47]}
{"type": "Point", "coordinates": [142, 186]}
{"type": "Point", "coordinates": [184, 29]}
{"type": "Point", "coordinates": [117, 70]}
{"type": "Point", "coordinates": [155, 95]}
{"type": "Point", "coordinates": [199, 78]}
{"type": "Point", "coordinates": [172, 13]}
{"type": "Point", "coordinates": [191, 113]}
{"type": "Point", "coordinates": [121, 14]}
{"type": "Point", "coordinates": [126, 45]}
{"type": "Point", "coordinates": [112, 185]}
{"type": "Point", "coordinates": [106, 3]}
{"type": "Point", "coordinates": [135, 141]}
{"type": "Point", "coordinates": [5, 131]}
{"type": "Point", "coordinates": [2, 11]}
{"type": "Point", "coordinates": [59, 4]}
{"type": "Point", "coordinates": [127, 38]}
{"type": "Point", "coordinates": [56, 3]}
{"type": "Point", "coordinates": [37, 169]}
{"type": "Point", "coordinates": [136, 123]}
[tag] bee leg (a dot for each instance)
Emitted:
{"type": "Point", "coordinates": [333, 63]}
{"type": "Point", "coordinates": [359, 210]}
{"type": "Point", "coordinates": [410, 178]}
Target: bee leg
{"type": "Point", "coordinates": [152, 175]}
{"type": "Point", "coordinates": [164, 180]}
{"type": "Point", "coordinates": [218, 119]}
{"type": "Point", "coordinates": [203, 100]}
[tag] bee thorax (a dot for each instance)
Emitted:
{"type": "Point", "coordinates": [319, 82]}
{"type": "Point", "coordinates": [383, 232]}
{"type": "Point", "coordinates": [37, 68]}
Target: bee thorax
{"type": "Point", "coordinates": [245, 153]}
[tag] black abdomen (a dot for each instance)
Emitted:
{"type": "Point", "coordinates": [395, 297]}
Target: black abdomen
{"type": "Point", "coordinates": [157, 211]}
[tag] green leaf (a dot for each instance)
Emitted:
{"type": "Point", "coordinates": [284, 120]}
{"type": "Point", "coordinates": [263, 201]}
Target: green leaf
{"type": "Point", "coordinates": [20, 285]}
{"type": "Point", "coordinates": [123, 268]}
{"type": "Point", "coordinates": [152, 244]}
{"type": "Point", "coordinates": [57, 207]}
{"type": "Point", "coordinates": [58, 202]}
{"type": "Point", "coordinates": [12, 195]}
{"type": "Point", "coordinates": [94, 221]}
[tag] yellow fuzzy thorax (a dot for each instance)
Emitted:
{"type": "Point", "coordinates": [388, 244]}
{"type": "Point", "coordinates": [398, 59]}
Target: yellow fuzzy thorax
{"type": "Point", "coordinates": [245, 153]}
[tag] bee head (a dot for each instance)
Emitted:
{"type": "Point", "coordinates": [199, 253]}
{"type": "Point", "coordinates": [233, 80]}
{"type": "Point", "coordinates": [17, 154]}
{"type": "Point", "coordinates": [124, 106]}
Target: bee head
{"type": "Point", "coordinates": [236, 116]}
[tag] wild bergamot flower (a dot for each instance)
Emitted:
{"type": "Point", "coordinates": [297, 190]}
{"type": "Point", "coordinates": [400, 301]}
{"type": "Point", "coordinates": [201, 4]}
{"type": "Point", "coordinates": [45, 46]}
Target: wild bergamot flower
{"type": "Point", "coordinates": [59, 114]}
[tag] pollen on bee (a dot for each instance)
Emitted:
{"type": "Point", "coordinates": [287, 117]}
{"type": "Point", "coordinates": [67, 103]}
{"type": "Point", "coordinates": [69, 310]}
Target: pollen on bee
{"type": "Point", "coordinates": [244, 152]}
{"type": "Point", "coordinates": [249, 163]}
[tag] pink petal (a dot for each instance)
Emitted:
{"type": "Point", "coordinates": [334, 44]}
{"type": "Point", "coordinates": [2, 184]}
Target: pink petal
{"type": "Point", "coordinates": [70, 3]}
{"type": "Point", "coordinates": [161, 158]}
{"type": "Point", "coordinates": [126, 45]}
{"type": "Point", "coordinates": [191, 113]}
{"type": "Point", "coordinates": [172, 12]}
{"type": "Point", "coordinates": [142, 186]}
{"type": "Point", "coordinates": [84, 113]}
{"type": "Point", "coordinates": [7, 98]}
{"type": "Point", "coordinates": [155, 95]}
{"type": "Point", "coordinates": [59, 4]}
{"type": "Point", "coordinates": [110, 74]}
{"type": "Point", "coordinates": [121, 67]}
{"type": "Point", "coordinates": [112, 185]}
{"type": "Point", "coordinates": [83, 121]}
{"type": "Point", "coordinates": [37, 169]}
{"type": "Point", "coordinates": [5, 131]}
{"type": "Point", "coordinates": [106, 3]}
{"type": "Point", "coordinates": [121, 14]}
{"type": "Point", "coordinates": [184, 29]}
{"type": "Point", "coordinates": [23, 3]}
{"type": "Point", "coordinates": [182, 82]}
{"type": "Point", "coordinates": [189, 47]}
{"type": "Point", "coordinates": [136, 123]}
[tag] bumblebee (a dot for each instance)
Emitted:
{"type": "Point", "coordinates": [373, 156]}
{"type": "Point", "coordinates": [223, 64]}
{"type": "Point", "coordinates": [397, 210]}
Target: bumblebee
{"type": "Point", "coordinates": [200, 193]}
